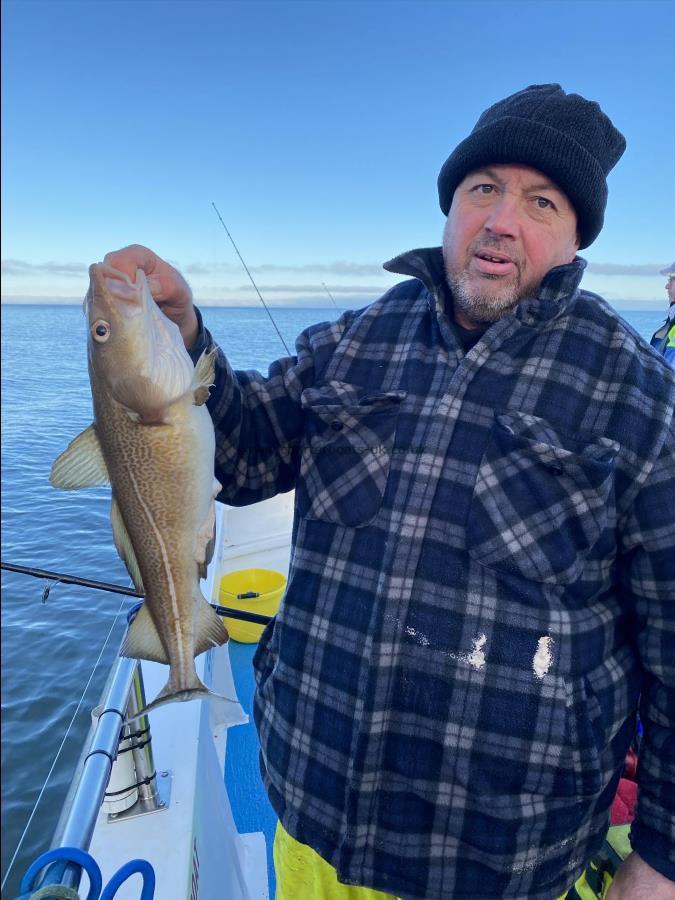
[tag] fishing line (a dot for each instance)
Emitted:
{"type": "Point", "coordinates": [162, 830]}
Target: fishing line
{"type": "Point", "coordinates": [251, 277]}
{"type": "Point", "coordinates": [65, 737]}
{"type": "Point", "coordinates": [323, 285]}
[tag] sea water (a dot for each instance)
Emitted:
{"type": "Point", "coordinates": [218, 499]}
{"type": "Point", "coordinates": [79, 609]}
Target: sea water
{"type": "Point", "coordinates": [56, 654]}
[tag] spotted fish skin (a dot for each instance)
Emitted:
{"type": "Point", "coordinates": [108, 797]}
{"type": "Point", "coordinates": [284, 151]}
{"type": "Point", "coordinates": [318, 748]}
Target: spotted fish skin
{"type": "Point", "coordinates": [153, 439]}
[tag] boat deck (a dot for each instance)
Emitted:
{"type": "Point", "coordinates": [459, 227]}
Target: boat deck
{"type": "Point", "coordinates": [251, 809]}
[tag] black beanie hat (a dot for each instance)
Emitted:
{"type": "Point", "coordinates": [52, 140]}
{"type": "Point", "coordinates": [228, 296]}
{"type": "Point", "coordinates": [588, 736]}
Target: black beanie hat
{"type": "Point", "coordinates": [566, 137]}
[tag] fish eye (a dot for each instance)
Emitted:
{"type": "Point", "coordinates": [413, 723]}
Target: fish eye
{"type": "Point", "coordinates": [100, 331]}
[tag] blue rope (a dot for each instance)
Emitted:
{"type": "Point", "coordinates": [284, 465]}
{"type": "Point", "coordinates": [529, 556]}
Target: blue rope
{"type": "Point", "coordinates": [90, 866]}
{"type": "Point", "coordinates": [141, 866]}
{"type": "Point", "coordinates": [67, 854]}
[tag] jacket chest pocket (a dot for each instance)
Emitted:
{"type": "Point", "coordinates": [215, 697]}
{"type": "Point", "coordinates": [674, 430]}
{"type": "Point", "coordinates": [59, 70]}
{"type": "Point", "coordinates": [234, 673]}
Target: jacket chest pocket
{"type": "Point", "coordinates": [346, 452]}
{"type": "Point", "coordinates": [541, 500]}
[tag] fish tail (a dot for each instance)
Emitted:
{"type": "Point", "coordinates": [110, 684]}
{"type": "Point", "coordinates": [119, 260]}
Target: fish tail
{"type": "Point", "coordinates": [171, 693]}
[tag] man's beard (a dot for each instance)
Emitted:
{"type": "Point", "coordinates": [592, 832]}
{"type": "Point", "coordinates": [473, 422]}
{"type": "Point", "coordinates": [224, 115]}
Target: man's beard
{"type": "Point", "coordinates": [486, 306]}
{"type": "Point", "coordinates": [483, 307]}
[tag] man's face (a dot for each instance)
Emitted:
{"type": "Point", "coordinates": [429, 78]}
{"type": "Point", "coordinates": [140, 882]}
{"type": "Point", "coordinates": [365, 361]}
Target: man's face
{"type": "Point", "coordinates": [507, 226]}
{"type": "Point", "coordinates": [670, 289]}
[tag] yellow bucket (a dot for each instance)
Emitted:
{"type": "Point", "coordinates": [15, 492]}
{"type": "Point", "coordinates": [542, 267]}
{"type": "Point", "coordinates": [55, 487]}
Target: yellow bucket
{"type": "Point", "coordinates": [254, 590]}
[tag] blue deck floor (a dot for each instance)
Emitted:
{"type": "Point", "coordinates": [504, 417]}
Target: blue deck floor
{"type": "Point", "coordinates": [250, 807]}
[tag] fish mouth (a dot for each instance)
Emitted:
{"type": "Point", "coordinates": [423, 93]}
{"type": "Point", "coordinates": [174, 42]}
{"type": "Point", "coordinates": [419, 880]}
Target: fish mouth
{"type": "Point", "coordinates": [112, 290]}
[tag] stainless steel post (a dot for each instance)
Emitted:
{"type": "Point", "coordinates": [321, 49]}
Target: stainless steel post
{"type": "Point", "coordinates": [144, 762]}
{"type": "Point", "coordinates": [77, 827]}
{"type": "Point", "coordinates": [154, 788]}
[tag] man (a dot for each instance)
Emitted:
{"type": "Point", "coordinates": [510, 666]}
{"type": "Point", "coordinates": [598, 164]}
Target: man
{"type": "Point", "coordinates": [663, 338]}
{"type": "Point", "coordinates": [481, 587]}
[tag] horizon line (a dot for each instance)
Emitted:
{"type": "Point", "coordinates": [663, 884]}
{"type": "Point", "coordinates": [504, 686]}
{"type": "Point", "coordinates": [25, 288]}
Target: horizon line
{"type": "Point", "coordinates": [651, 305]}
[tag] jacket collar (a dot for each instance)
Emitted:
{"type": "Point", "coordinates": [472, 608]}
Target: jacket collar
{"type": "Point", "coordinates": [558, 289]}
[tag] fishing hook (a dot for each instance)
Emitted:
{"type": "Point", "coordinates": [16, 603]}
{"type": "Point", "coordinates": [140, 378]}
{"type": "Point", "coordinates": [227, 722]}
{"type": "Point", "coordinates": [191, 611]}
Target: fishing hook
{"type": "Point", "coordinates": [48, 587]}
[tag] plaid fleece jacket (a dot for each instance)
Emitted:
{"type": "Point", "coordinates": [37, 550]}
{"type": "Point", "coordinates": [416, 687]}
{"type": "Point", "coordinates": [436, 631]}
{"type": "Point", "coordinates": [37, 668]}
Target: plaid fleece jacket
{"type": "Point", "coordinates": [481, 590]}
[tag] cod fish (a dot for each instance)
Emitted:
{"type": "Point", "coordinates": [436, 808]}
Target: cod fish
{"type": "Point", "coordinates": [152, 438]}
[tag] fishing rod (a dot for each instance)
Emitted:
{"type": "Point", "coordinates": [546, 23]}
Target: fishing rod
{"type": "Point", "coordinates": [251, 277]}
{"type": "Point", "coordinates": [267, 310]}
{"type": "Point", "coordinates": [60, 578]}
{"type": "Point", "coordinates": [330, 295]}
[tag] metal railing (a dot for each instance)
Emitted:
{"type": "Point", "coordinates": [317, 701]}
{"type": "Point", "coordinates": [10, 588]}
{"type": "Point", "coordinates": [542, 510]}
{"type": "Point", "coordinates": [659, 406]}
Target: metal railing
{"type": "Point", "coordinates": [77, 825]}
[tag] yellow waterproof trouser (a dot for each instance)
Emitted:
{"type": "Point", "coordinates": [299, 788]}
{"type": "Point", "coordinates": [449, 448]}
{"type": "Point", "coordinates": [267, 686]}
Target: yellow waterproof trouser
{"type": "Point", "coordinates": [303, 875]}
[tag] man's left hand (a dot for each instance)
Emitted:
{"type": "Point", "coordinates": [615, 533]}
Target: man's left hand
{"type": "Point", "coordinates": [635, 880]}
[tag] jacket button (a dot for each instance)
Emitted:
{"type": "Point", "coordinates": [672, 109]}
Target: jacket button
{"type": "Point", "coordinates": [336, 425]}
{"type": "Point", "coordinates": [555, 469]}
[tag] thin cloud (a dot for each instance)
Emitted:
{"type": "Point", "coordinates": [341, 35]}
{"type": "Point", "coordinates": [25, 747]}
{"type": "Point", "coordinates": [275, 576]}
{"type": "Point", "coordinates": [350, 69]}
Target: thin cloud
{"type": "Point", "coordinates": [337, 268]}
{"type": "Point", "coordinates": [309, 289]}
{"type": "Point", "coordinates": [21, 267]}
{"type": "Point", "coordinates": [647, 270]}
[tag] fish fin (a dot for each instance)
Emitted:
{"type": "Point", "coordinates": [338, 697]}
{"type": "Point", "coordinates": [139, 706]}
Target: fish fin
{"type": "Point", "coordinates": [211, 630]}
{"type": "Point", "coordinates": [200, 395]}
{"type": "Point", "coordinates": [206, 541]}
{"type": "Point", "coordinates": [171, 694]}
{"type": "Point", "coordinates": [205, 375]}
{"type": "Point", "coordinates": [81, 464]}
{"type": "Point", "coordinates": [124, 546]}
{"type": "Point", "coordinates": [142, 640]}
{"type": "Point", "coordinates": [203, 566]}
{"type": "Point", "coordinates": [206, 536]}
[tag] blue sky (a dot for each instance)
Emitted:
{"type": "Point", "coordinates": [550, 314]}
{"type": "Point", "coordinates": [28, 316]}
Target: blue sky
{"type": "Point", "coordinates": [318, 128]}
